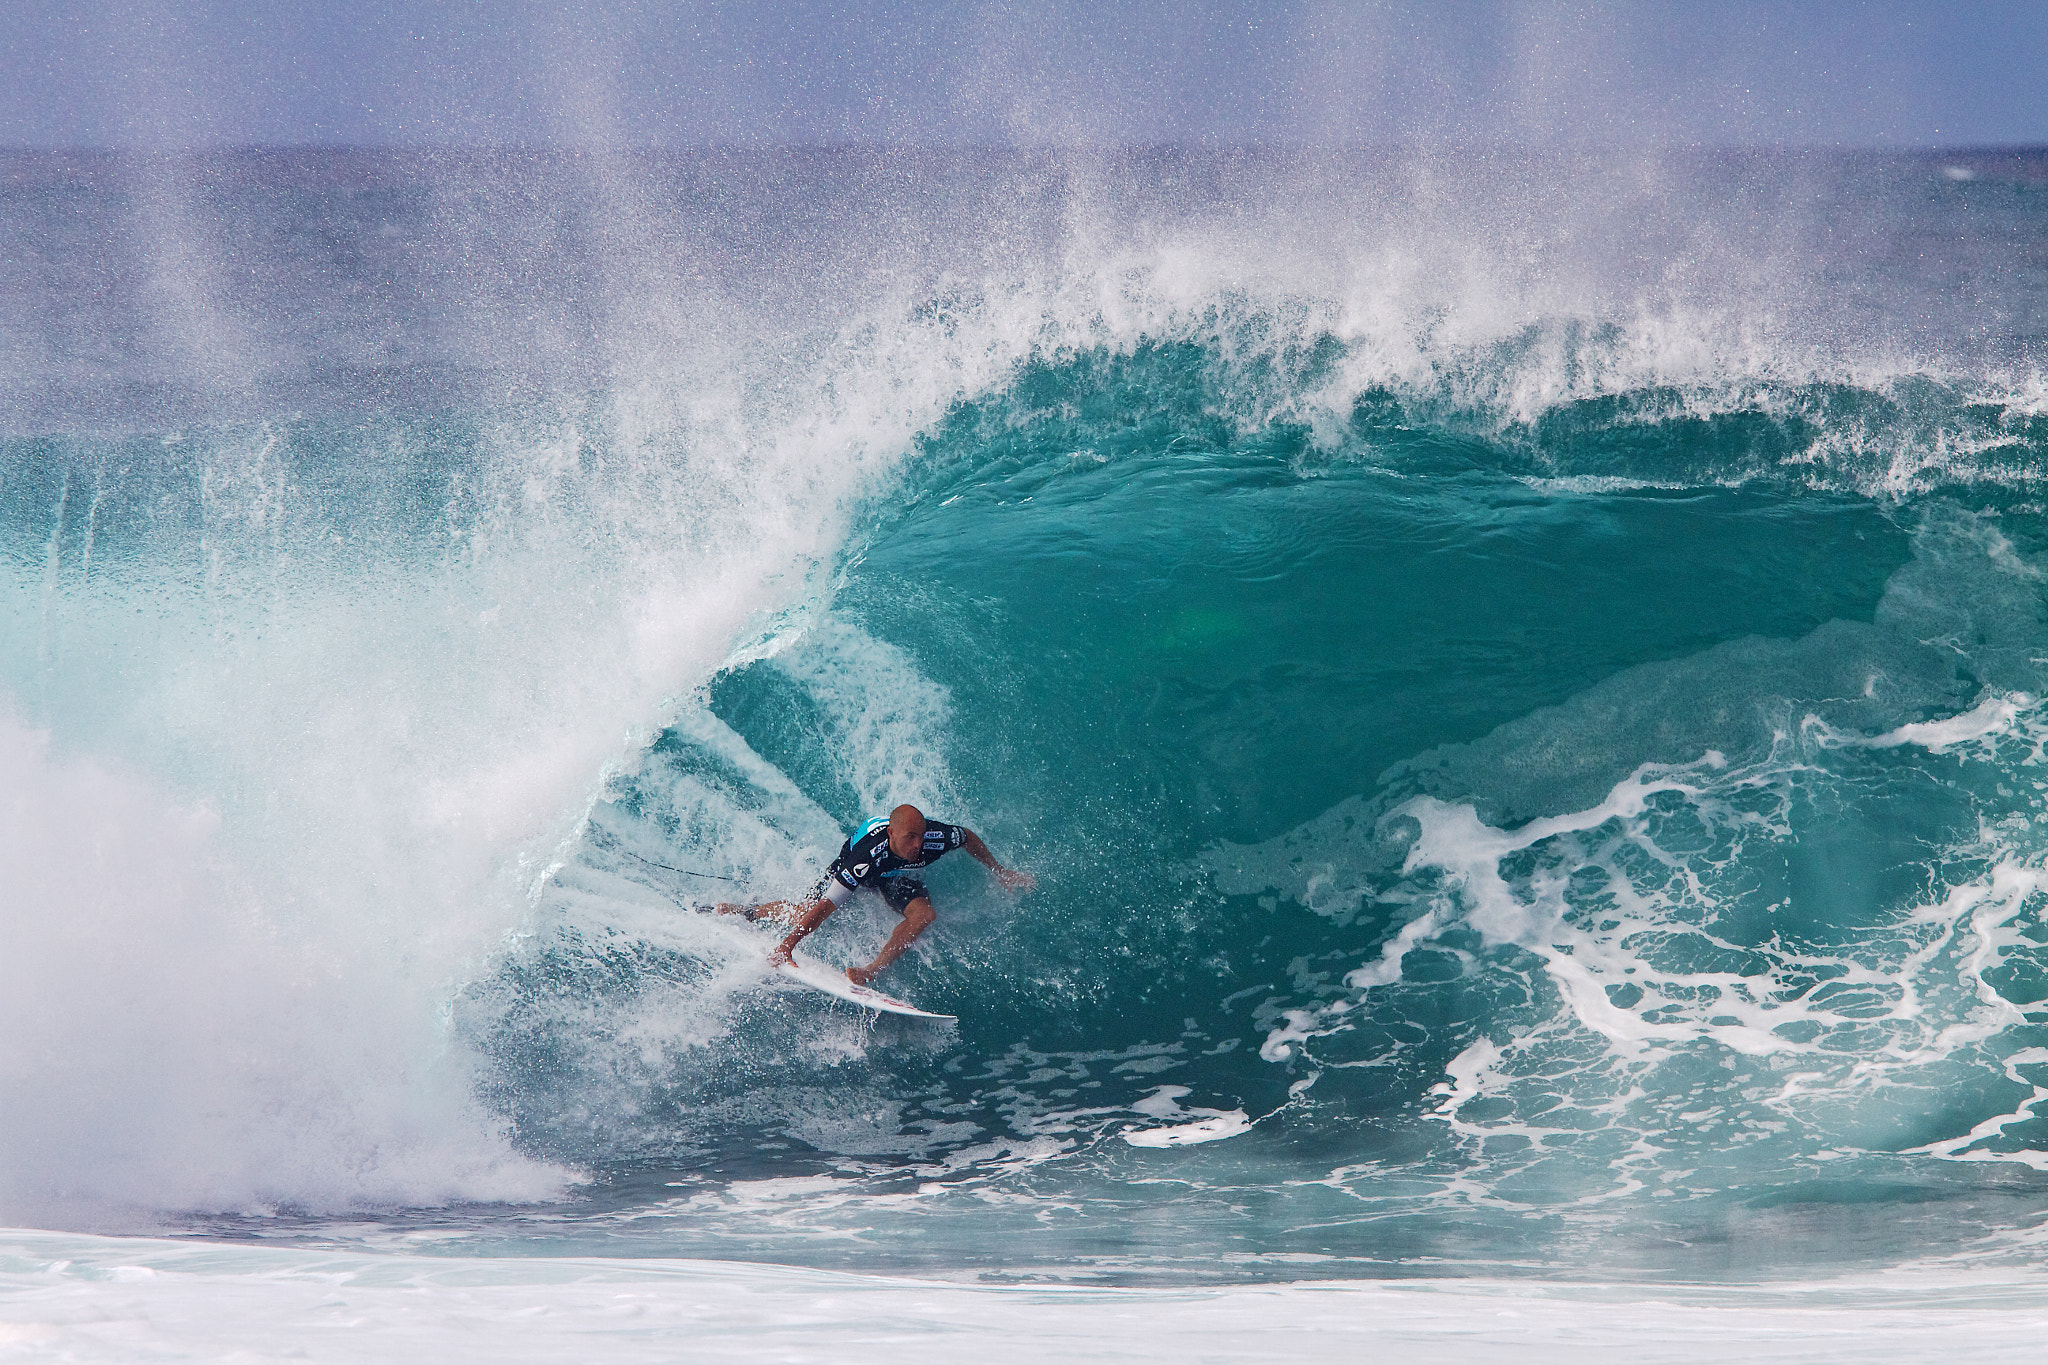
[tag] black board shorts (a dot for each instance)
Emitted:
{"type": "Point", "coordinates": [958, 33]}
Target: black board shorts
{"type": "Point", "coordinates": [897, 892]}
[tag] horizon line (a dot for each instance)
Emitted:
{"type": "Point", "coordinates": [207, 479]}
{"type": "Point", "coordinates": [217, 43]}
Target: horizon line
{"type": "Point", "coordinates": [1404, 145]}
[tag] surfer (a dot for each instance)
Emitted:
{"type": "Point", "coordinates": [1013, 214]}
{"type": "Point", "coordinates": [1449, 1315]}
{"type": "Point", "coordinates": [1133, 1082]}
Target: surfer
{"type": "Point", "coordinates": [880, 859]}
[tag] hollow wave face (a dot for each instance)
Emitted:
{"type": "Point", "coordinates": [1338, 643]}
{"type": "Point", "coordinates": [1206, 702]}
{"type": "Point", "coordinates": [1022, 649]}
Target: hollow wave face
{"type": "Point", "coordinates": [1519, 684]}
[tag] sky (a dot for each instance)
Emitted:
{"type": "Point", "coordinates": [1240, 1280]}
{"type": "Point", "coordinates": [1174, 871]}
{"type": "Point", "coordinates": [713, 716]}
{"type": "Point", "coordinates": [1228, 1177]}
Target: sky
{"type": "Point", "coordinates": [194, 73]}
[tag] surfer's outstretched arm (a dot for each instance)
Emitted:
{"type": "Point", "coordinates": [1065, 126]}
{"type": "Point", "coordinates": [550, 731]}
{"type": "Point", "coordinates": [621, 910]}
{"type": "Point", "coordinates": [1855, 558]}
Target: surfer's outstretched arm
{"type": "Point", "coordinates": [1009, 877]}
{"type": "Point", "coordinates": [815, 914]}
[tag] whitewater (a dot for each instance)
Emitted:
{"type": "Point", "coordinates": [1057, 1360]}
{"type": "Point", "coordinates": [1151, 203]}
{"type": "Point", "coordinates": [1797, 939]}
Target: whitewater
{"type": "Point", "coordinates": [1520, 678]}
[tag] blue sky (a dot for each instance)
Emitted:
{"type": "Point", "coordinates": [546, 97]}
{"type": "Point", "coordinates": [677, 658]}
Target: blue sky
{"type": "Point", "coordinates": [641, 72]}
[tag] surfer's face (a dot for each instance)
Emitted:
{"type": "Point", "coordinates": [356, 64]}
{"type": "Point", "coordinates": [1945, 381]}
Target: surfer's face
{"type": "Point", "coordinates": [906, 837]}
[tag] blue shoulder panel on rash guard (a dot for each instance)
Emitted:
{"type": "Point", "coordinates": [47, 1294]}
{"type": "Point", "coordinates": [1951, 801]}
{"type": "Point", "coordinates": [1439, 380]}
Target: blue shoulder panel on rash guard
{"type": "Point", "coordinates": [868, 860]}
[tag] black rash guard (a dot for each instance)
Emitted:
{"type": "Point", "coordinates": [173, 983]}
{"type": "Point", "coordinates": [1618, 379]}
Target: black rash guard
{"type": "Point", "coordinates": [867, 862]}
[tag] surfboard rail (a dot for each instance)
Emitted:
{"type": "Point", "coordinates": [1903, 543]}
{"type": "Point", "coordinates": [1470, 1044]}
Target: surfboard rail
{"type": "Point", "coordinates": [833, 981]}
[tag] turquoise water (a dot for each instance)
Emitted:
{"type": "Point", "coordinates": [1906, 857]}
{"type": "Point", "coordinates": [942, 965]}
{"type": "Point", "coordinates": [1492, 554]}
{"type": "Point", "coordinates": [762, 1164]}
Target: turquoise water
{"type": "Point", "coordinates": [1522, 702]}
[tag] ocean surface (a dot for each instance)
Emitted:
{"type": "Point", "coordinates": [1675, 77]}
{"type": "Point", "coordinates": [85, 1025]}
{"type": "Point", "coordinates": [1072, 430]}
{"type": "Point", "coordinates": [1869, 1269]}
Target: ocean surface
{"type": "Point", "coordinates": [1520, 678]}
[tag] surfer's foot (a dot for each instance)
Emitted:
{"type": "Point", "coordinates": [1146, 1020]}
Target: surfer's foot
{"type": "Point", "coordinates": [860, 976]}
{"type": "Point", "coordinates": [750, 913]}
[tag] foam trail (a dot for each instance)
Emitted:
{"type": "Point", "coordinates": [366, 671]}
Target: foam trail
{"type": "Point", "coordinates": [1995, 715]}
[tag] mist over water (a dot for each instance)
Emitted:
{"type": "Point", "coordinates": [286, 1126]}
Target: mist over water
{"type": "Point", "coordinates": [1519, 677]}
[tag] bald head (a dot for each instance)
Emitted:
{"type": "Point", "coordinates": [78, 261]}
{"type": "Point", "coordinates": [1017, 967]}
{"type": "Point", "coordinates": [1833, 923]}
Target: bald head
{"type": "Point", "coordinates": [906, 830]}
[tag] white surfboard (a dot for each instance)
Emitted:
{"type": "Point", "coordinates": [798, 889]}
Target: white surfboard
{"type": "Point", "coordinates": [834, 981]}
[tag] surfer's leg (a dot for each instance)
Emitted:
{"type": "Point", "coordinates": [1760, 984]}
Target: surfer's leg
{"type": "Point", "coordinates": [765, 910]}
{"type": "Point", "coordinates": [917, 917]}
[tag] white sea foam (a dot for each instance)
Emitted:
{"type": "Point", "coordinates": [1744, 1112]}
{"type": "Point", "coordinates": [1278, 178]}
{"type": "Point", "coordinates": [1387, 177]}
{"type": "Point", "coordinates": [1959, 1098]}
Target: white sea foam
{"type": "Point", "coordinates": [1183, 1127]}
{"type": "Point", "coordinates": [1995, 715]}
{"type": "Point", "coordinates": [1626, 933]}
{"type": "Point", "coordinates": [166, 1042]}
{"type": "Point", "coordinates": [89, 1300]}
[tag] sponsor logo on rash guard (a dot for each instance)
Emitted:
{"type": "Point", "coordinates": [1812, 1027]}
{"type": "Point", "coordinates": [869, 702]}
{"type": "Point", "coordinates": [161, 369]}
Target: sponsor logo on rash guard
{"type": "Point", "coordinates": [879, 860]}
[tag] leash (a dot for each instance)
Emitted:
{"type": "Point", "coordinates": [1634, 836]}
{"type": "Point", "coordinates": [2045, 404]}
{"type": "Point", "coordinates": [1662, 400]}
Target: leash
{"type": "Point", "coordinates": [666, 868]}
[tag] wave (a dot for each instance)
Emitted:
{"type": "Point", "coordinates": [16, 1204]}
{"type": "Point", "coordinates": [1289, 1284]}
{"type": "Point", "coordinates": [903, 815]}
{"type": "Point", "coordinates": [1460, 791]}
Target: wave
{"type": "Point", "coordinates": [1173, 522]}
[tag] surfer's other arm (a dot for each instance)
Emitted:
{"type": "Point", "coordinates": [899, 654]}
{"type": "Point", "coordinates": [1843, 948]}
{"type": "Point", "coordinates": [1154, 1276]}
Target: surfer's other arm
{"type": "Point", "coordinates": [1009, 878]}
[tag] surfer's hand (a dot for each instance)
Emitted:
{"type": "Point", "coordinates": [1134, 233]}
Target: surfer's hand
{"type": "Point", "coordinates": [1012, 880]}
{"type": "Point", "coordinates": [860, 976]}
{"type": "Point", "coordinates": [780, 957]}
